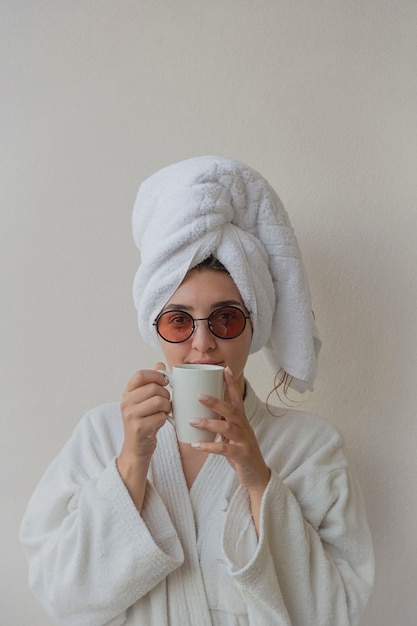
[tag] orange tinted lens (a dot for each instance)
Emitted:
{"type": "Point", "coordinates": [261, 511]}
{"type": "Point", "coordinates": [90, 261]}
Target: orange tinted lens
{"type": "Point", "coordinates": [227, 322]}
{"type": "Point", "coordinates": [175, 326]}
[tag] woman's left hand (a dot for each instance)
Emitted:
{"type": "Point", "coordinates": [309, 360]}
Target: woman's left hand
{"type": "Point", "coordinates": [237, 439]}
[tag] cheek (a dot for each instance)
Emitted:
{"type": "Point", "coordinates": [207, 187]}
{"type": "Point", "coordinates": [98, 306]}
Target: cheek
{"type": "Point", "coordinates": [240, 353]}
{"type": "Point", "coordinates": [173, 353]}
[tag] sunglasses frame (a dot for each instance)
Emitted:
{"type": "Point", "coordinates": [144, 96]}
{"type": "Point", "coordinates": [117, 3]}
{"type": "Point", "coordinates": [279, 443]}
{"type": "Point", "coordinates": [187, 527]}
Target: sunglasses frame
{"type": "Point", "coordinates": [202, 319]}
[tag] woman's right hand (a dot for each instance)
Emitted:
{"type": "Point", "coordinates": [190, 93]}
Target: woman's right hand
{"type": "Point", "coordinates": [144, 406]}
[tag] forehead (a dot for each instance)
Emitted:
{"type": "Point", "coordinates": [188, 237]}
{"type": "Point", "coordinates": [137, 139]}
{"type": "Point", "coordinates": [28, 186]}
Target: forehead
{"type": "Point", "coordinates": [205, 288]}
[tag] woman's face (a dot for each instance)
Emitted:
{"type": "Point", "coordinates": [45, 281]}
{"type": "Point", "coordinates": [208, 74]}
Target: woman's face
{"type": "Point", "coordinates": [200, 292]}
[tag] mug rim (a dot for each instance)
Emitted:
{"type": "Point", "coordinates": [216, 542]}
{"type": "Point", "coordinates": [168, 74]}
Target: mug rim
{"type": "Point", "coordinates": [198, 367]}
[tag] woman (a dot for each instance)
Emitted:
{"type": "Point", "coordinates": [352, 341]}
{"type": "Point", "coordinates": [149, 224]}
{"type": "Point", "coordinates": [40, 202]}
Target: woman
{"type": "Point", "coordinates": [266, 525]}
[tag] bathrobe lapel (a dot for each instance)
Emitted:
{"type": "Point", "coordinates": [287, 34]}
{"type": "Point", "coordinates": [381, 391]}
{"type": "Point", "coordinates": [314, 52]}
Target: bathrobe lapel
{"type": "Point", "coordinates": [185, 606]}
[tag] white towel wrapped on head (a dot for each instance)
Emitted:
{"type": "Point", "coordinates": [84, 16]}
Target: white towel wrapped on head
{"type": "Point", "coordinates": [211, 205]}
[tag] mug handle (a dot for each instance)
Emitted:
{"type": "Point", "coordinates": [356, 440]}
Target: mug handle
{"type": "Point", "coordinates": [170, 379]}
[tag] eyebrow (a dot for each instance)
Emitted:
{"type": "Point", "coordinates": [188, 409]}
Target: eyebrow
{"type": "Point", "coordinates": [215, 305]}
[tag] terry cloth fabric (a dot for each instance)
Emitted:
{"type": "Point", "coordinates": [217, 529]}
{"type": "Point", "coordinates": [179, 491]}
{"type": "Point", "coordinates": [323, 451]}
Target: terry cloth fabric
{"type": "Point", "coordinates": [211, 205]}
{"type": "Point", "coordinates": [192, 557]}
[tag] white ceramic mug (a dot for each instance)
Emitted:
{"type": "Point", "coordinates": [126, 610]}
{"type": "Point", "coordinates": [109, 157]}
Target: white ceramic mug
{"type": "Point", "coordinates": [187, 383]}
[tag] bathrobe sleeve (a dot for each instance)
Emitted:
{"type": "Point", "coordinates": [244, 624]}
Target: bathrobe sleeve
{"type": "Point", "coordinates": [313, 561]}
{"type": "Point", "coordinates": [91, 554]}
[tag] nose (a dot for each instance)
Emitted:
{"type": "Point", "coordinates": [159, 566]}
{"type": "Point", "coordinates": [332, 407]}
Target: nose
{"type": "Point", "coordinates": [202, 339]}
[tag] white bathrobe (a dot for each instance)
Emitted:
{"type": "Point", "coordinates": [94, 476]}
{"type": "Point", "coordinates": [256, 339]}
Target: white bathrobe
{"type": "Point", "coordinates": [192, 558]}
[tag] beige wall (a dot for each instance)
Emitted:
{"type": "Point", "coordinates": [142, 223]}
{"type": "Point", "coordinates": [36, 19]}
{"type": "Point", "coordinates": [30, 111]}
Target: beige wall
{"type": "Point", "coordinates": [321, 97]}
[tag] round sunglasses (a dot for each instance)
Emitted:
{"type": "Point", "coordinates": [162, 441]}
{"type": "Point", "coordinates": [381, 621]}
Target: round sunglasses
{"type": "Point", "coordinates": [225, 322]}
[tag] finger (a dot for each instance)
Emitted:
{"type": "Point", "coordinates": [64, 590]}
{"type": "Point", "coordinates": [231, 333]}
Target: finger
{"type": "Point", "coordinates": [221, 447]}
{"type": "Point", "coordinates": [152, 405]}
{"type": "Point", "coordinates": [225, 409]}
{"type": "Point", "coordinates": [223, 429]}
{"type": "Point", "coordinates": [233, 390]}
{"type": "Point", "coordinates": [144, 377]}
{"type": "Point", "coordinates": [143, 394]}
{"type": "Point", "coordinates": [161, 366]}
{"type": "Point", "coordinates": [136, 405]}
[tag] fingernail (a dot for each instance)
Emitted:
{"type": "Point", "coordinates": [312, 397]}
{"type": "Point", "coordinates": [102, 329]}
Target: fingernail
{"type": "Point", "coordinates": [196, 444]}
{"type": "Point", "coordinates": [229, 371]}
{"type": "Point", "coordinates": [203, 397]}
{"type": "Point", "coordinates": [195, 421]}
